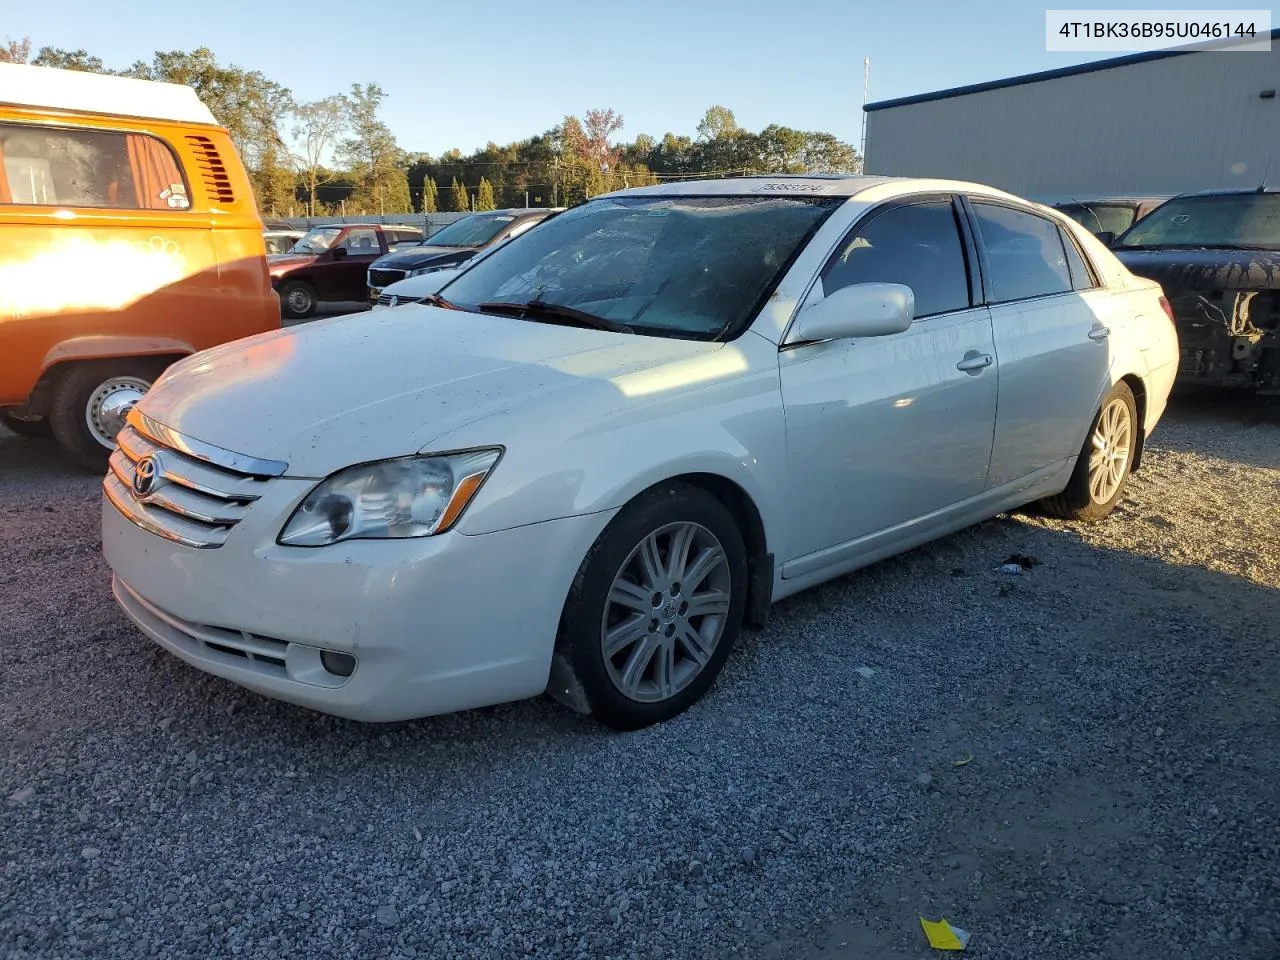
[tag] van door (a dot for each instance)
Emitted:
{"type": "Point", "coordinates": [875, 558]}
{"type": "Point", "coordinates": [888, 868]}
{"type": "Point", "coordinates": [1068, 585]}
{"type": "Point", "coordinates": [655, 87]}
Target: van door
{"type": "Point", "coordinates": [101, 250]}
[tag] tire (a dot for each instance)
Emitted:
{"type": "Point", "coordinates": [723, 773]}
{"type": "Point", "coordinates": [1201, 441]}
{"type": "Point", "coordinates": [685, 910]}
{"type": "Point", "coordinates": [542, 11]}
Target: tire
{"type": "Point", "coordinates": [627, 690]}
{"type": "Point", "coordinates": [297, 299]}
{"type": "Point", "coordinates": [25, 428]}
{"type": "Point", "coordinates": [1088, 495]}
{"type": "Point", "coordinates": [99, 391]}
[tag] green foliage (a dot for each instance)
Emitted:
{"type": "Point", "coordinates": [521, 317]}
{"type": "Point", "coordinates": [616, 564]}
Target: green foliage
{"type": "Point", "coordinates": [372, 156]}
{"type": "Point", "coordinates": [69, 60]}
{"type": "Point", "coordinates": [344, 156]}
{"type": "Point", "coordinates": [484, 196]}
{"type": "Point", "coordinates": [459, 195]}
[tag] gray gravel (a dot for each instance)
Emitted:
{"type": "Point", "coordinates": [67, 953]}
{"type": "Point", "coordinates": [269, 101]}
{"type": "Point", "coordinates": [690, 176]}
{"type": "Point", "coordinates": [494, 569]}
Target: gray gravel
{"type": "Point", "coordinates": [1118, 700]}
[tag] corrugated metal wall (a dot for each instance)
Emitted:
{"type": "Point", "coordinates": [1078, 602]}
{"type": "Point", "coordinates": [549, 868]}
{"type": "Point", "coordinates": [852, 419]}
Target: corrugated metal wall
{"type": "Point", "coordinates": [1193, 122]}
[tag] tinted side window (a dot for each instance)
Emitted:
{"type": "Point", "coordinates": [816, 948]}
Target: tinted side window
{"type": "Point", "coordinates": [1081, 276]}
{"type": "Point", "coordinates": [918, 245]}
{"type": "Point", "coordinates": [1025, 257]}
{"type": "Point", "coordinates": [88, 168]}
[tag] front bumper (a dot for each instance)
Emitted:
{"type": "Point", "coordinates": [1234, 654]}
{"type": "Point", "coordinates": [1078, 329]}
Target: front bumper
{"type": "Point", "coordinates": [435, 624]}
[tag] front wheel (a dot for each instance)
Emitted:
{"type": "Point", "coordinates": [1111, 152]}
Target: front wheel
{"type": "Point", "coordinates": [656, 607]}
{"type": "Point", "coordinates": [297, 299]}
{"type": "Point", "coordinates": [1103, 467]}
{"type": "Point", "coordinates": [91, 401]}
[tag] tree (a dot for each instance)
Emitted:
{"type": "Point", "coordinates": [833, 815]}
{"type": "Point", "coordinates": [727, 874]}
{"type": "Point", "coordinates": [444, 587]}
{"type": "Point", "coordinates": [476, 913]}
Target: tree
{"type": "Point", "coordinates": [69, 60]}
{"type": "Point", "coordinates": [484, 196]}
{"type": "Point", "coordinates": [275, 184]}
{"type": "Point", "coordinates": [15, 51]}
{"type": "Point", "coordinates": [430, 195]}
{"type": "Point", "coordinates": [317, 125]}
{"type": "Point", "coordinates": [459, 196]}
{"type": "Point", "coordinates": [717, 123]}
{"type": "Point", "coordinates": [244, 101]}
{"type": "Point", "coordinates": [371, 152]}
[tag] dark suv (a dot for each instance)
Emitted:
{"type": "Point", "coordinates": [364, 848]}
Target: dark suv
{"type": "Point", "coordinates": [1217, 255]}
{"type": "Point", "coordinates": [451, 245]}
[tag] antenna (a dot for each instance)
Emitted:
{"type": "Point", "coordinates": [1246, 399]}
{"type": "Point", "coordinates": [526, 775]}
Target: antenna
{"type": "Point", "coordinates": [1262, 188]}
{"type": "Point", "coordinates": [866, 85]}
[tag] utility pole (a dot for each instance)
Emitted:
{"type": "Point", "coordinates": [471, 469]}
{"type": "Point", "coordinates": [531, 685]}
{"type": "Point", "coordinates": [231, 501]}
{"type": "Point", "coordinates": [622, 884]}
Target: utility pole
{"type": "Point", "coordinates": [866, 85]}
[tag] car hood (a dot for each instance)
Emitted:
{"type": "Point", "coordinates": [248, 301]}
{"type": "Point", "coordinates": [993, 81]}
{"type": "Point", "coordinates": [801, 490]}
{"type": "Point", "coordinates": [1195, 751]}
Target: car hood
{"type": "Point", "coordinates": [1204, 269]}
{"type": "Point", "coordinates": [418, 256]}
{"type": "Point", "coordinates": [374, 385]}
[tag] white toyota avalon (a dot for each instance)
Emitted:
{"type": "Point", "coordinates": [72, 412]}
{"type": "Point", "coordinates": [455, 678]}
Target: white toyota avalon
{"type": "Point", "coordinates": [594, 455]}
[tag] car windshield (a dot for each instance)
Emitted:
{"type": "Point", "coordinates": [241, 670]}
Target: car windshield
{"type": "Point", "coordinates": [318, 240]}
{"type": "Point", "coordinates": [1231, 220]}
{"type": "Point", "coordinates": [692, 267]}
{"type": "Point", "coordinates": [468, 232]}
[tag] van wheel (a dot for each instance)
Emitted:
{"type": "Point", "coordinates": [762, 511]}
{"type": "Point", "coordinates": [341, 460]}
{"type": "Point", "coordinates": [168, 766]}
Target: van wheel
{"type": "Point", "coordinates": [298, 299]}
{"type": "Point", "coordinates": [90, 402]}
{"type": "Point", "coordinates": [37, 427]}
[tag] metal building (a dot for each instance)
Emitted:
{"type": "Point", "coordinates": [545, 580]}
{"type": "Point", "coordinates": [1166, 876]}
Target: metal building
{"type": "Point", "coordinates": [1152, 123]}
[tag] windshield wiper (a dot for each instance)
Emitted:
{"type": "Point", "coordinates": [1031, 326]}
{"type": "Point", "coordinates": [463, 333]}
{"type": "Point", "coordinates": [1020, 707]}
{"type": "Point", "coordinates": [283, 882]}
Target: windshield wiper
{"type": "Point", "coordinates": [554, 310]}
{"type": "Point", "coordinates": [435, 300]}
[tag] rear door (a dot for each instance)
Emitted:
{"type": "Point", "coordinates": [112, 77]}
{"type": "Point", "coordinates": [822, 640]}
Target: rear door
{"type": "Point", "coordinates": [1051, 337]}
{"type": "Point", "coordinates": [101, 248]}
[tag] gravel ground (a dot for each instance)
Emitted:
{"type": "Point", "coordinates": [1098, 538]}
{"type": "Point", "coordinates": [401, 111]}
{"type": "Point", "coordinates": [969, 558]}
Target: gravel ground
{"type": "Point", "coordinates": [1118, 700]}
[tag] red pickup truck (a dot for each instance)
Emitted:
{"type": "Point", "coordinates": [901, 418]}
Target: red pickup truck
{"type": "Point", "coordinates": [329, 263]}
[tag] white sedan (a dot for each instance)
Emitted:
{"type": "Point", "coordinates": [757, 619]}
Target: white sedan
{"type": "Point", "coordinates": [593, 456]}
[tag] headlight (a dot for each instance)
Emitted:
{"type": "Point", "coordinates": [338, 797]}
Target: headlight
{"type": "Point", "coordinates": [406, 497]}
{"type": "Point", "coordinates": [421, 270]}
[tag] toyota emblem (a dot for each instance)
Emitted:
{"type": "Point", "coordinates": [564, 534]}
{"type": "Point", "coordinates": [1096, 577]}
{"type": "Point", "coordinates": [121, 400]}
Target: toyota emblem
{"type": "Point", "coordinates": [145, 476]}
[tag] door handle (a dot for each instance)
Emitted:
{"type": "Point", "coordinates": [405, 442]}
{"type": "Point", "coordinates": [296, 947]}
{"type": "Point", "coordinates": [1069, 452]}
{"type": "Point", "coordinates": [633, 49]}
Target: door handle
{"type": "Point", "coordinates": [1099, 333]}
{"type": "Point", "coordinates": [972, 362]}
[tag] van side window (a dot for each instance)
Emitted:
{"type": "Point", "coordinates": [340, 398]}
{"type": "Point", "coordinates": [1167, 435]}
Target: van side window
{"type": "Point", "coordinates": [49, 166]}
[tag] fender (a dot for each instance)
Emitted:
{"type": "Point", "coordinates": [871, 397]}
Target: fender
{"type": "Point", "coordinates": [107, 346]}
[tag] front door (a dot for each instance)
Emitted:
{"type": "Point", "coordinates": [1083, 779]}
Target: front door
{"type": "Point", "coordinates": [345, 278]}
{"type": "Point", "coordinates": [885, 430]}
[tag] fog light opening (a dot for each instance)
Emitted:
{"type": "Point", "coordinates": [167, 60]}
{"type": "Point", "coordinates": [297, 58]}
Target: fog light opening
{"type": "Point", "coordinates": [339, 664]}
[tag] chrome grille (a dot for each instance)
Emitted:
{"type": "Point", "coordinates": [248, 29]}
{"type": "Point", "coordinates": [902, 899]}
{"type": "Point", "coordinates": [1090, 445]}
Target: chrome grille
{"type": "Point", "coordinates": [385, 300]}
{"type": "Point", "coordinates": [384, 278]}
{"type": "Point", "coordinates": [171, 486]}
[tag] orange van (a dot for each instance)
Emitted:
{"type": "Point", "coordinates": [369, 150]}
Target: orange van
{"type": "Point", "coordinates": [129, 238]}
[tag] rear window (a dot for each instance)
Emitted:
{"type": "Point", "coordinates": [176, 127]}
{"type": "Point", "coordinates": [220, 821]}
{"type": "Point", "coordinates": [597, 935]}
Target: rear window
{"type": "Point", "coordinates": [49, 166]}
{"type": "Point", "coordinates": [1101, 218]}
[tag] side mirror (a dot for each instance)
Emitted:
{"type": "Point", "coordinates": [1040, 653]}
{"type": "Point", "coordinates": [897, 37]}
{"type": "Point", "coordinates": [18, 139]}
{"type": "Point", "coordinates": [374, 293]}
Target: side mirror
{"type": "Point", "coordinates": [339, 252]}
{"type": "Point", "coordinates": [1106, 237]}
{"type": "Point", "coordinates": [859, 310]}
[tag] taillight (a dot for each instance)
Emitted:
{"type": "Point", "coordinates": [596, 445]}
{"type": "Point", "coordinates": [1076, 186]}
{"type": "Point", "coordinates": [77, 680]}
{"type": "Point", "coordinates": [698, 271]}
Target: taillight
{"type": "Point", "coordinates": [1168, 310]}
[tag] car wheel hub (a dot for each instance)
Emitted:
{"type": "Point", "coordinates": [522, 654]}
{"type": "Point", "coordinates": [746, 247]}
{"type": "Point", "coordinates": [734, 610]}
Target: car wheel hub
{"type": "Point", "coordinates": [1109, 450]}
{"type": "Point", "coordinates": [666, 612]}
{"type": "Point", "coordinates": [110, 404]}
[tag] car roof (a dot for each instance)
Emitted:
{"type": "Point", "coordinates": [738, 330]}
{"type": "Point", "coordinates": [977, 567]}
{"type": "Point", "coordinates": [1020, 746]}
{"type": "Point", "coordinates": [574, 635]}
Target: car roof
{"type": "Point", "coordinates": [1230, 192]}
{"type": "Point", "coordinates": [49, 88]}
{"type": "Point", "coordinates": [814, 185]}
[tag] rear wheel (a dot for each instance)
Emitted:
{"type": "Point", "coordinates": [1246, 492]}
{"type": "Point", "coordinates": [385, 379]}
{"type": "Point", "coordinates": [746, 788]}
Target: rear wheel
{"type": "Point", "coordinates": [1103, 467]}
{"type": "Point", "coordinates": [656, 607]}
{"type": "Point", "coordinates": [25, 427]}
{"type": "Point", "coordinates": [91, 401]}
{"type": "Point", "coordinates": [297, 299]}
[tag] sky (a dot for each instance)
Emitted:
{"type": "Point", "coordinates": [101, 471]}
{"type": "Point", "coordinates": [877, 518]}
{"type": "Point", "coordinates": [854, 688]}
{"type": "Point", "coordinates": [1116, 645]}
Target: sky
{"type": "Point", "coordinates": [503, 70]}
